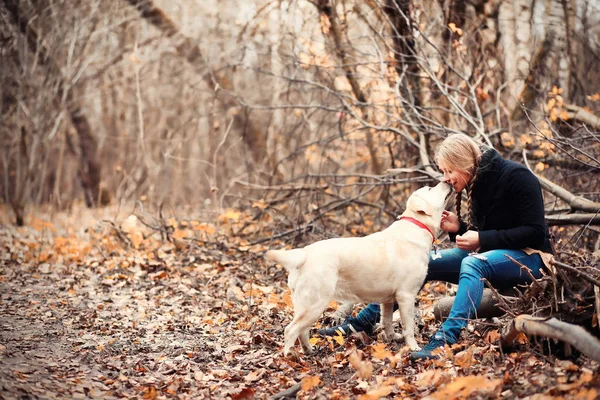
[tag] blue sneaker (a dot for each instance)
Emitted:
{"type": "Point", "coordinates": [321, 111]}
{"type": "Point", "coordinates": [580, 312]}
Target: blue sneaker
{"type": "Point", "coordinates": [435, 342]}
{"type": "Point", "coordinates": [346, 329]}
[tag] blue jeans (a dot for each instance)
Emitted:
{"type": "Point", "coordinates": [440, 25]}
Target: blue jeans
{"type": "Point", "coordinates": [457, 266]}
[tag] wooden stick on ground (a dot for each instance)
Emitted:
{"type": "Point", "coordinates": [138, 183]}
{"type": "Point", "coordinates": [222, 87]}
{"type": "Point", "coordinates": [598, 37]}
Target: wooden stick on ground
{"type": "Point", "coordinates": [288, 393]}
{"type": "Point", "coordinates": [574, 335]}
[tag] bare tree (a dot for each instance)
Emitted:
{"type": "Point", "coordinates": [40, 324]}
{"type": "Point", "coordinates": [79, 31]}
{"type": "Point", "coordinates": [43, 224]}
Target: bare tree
{"type": "Point", "coordinates": [89, 172]}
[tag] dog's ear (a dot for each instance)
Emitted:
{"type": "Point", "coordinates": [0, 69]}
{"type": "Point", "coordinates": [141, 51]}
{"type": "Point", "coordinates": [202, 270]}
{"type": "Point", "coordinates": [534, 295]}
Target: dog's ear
{"type": "Point", "coordinates": [420, 206]}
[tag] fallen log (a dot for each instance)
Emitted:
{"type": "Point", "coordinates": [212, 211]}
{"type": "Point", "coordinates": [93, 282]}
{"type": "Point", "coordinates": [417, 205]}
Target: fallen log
{"type": "Point", "coordinates": [574, 335]}
{"type": "Point", "coordinates": [488, 308]}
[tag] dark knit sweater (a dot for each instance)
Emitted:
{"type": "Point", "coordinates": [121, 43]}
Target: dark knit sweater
{"type": "Point", "coordinates": [507, 206]}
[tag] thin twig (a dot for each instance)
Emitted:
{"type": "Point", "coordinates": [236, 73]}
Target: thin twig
{"type": "Point", "coordinates": [527, 270]}
{"type": "Point", "coordinates": [282, 234]}
{"type": "Point", "coordinates": [500, 298]}
{"type": "Point", "coordinates": [585, 276]}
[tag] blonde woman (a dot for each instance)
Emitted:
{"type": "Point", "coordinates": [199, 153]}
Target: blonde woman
{"type": "Point", "coordinates": [505, 217]}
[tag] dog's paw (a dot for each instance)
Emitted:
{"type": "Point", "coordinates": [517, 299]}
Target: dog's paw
{"type": "Point", "coordinates": [394, 336]}
{"type": "Point", "coordinates": [292, 355]}
{"type": "Point", "coordinates": [307, 350]}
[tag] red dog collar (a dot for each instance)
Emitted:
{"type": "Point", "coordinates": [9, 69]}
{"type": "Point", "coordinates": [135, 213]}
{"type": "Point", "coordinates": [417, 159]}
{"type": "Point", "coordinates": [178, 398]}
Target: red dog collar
{"type": "Point", "coordinates": [420, 225]}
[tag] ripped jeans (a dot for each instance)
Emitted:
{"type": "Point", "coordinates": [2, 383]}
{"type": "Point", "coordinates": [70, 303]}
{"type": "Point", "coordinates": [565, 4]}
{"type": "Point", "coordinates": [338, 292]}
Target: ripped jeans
{"type": "Point", "coordinates": [457, 266]}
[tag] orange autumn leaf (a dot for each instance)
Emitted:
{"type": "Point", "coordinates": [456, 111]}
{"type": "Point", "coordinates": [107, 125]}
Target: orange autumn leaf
{"type": "Point", "coordinates": [245, 393]}
{"type": "Point", "coordinates": [363, 368]}
{"type": "Point", "coordinates": [522, 338]}
{"type": "Point", "coordinates": [595, 97]}
{"type": "Point", "coordinates": [204, 227]}
{"type": "Point", "coordinates": [380, 352]}
{"type": "Point", "coordinates": [150, 393]}
{"type": "Point", "coordinates": [464, 359]}
{"type": "Point", "coordinates": [136, 239]}
{"type": "Point", "coordinates": [455, 29]}
{"type": "Point", "coordinates": [230, 215]}
{"type": "Point", "coordinates": [462, 387]}
{"type": "Point", "coordinates": [339, 339]}
{"type": "Point", "coordinates": [492, 336]}
{"type": "Point", "coordinates": [432, 377]}
{"type": "Point", "coordinates": [287, 299]}
{"type": "Point", "coordinates": [260, 204]}
{"type": "Point", "coordinates": [539, 167]}
{"type": "Point", "coordinates": [40, 225]}
{"type": "Point", "coordinates": [181, 234]}
{"type": "Point", "coordinates": [377, 393]}
{"type": "Point", "coordinates": [310, 382]}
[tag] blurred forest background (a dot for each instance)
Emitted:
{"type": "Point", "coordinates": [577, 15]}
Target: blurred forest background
{"type": "Point", "coordinates": [301, 110]}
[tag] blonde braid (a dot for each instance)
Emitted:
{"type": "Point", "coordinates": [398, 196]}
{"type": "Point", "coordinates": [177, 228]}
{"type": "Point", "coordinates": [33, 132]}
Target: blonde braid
{"type": "Point", "coordinates": [470, 223]}
{"type": "Point", "coordinates": [458, 201]}
{"type": "Point", "coordinates": [476, 160]}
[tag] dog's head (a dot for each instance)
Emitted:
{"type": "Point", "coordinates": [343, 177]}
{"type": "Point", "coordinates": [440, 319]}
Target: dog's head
{"type": "Point", "coordinates": [427, 204]}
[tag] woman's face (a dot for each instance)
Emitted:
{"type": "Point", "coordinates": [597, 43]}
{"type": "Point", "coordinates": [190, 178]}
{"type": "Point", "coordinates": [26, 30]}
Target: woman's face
{"type": "Point", "coordinates": [459, 179]}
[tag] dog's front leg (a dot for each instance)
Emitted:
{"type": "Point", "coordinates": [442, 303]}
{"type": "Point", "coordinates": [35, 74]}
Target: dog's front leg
{"type": "Point", "coordinates": [406, 305]}
{"type": "Point", "coordinates": [387, 311]}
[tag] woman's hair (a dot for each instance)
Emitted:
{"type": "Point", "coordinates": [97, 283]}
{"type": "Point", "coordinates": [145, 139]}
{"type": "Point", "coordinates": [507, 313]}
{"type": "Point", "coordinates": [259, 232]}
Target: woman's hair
{"type": "Point", "coordinates": [460, 152]}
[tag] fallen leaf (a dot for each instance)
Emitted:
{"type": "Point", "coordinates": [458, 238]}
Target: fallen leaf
{"type": "Point", "coordinates": [377, 393]}
{"type": "Point", "coordinates": [245, 393]}
{"type": "Point", "coordinates": [462, 387]}
{"type": "Point", "coordinates": [150, 393]}
{"type": "Point", "coordinates": [254, 376]}
{"type": "Point", "coordinates": [310, 382]}
{"type": "Point", "coordinates": [380, 352]}
{"type": "Point", "coordinates": [464, 359]}
{"type": "Point", "coordinates": [363, 368]}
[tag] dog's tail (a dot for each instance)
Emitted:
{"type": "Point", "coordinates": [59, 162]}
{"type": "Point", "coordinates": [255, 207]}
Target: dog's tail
{"type": "Point", "coordinates": [290, 259]}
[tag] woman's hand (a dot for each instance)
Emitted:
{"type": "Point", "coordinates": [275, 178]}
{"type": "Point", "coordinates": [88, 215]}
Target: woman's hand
{"type": "Point", "coordinates": [450, 222]}
{"type": "Point", "coordinates": [468, 241]}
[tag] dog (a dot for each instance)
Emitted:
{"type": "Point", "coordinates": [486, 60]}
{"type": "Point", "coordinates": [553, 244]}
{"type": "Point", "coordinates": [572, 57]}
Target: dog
{"type": "Point", "coordinates": [383, 267]}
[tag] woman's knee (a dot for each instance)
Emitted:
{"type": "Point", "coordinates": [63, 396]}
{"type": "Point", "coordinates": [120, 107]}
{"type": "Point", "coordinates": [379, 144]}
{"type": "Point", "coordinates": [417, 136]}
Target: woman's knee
{"type": "Point", "coordinates": [473, 267]}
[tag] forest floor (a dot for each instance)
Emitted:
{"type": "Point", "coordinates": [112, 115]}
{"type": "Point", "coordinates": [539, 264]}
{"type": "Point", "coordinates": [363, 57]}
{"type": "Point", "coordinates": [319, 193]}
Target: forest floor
{"type": "Point", "coordinates": [97, 305]}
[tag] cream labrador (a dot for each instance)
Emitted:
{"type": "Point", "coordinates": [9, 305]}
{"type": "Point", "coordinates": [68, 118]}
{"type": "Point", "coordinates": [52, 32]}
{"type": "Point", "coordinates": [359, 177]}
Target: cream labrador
{"type": "Point", "coordinates": [383, 267]}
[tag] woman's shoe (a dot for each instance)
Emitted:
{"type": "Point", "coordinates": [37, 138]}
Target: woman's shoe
{"type": "Point", "coordinates": [435, 342]}
{"type": "Point", "coordinates": [346, 328]}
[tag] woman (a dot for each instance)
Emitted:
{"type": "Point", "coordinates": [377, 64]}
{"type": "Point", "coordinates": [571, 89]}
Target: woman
{"type": "Point", "coordinates": [505, 217]}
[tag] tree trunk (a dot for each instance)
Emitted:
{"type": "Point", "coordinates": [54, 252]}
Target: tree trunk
{"type": "Point", "coordinates": [515, 28]}
{"type": "Point", "coordinates": [405, 53]}
{"type": "Point", "coordinates": [253, 136]}
{"type": "Point", "coordinates": [89, 172]}
{"type": "Point", "coordinates": [347, 58]}
{"type": "Point", "coordinates": [488, 307]}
